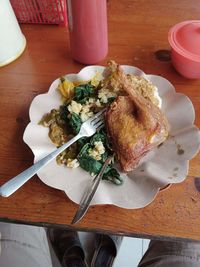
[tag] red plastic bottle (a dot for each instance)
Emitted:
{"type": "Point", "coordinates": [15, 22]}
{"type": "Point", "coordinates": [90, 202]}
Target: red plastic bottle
{"type": "Point", "coordinates": [88, 30]}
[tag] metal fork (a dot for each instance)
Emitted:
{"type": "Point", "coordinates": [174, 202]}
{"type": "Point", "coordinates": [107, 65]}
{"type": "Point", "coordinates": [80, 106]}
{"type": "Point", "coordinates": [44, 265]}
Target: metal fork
{"type": "Point", "coordinates": [87, 129]}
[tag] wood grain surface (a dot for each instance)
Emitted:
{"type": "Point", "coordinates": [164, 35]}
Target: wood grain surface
{"type": "Point", "coordinates": [137, 36]}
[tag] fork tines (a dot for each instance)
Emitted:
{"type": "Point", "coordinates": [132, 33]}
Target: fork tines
{"type": "Point", "coordinates": [98, 120]}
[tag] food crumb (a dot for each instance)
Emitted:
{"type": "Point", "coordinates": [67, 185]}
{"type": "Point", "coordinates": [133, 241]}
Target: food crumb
{"type": "Point", "coordinates": [104, 94]}
{"type": "Point", "coordinates": [180, 151]}
{"type": "Point", "coordinates": [72, 163]}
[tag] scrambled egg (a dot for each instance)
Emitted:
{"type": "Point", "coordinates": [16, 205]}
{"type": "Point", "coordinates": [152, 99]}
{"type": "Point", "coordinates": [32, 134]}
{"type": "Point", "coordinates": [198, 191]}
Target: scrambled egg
{"type": "Point", "coordinates": [97, 151]}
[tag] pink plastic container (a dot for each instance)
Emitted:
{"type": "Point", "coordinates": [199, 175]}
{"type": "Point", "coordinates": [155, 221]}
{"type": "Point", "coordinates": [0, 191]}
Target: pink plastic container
{"type": "Point", "coordinates": [184, 39]}
{"type": "Point", "coordinates": [87, 20]}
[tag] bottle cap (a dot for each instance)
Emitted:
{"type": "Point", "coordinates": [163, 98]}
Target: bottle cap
{"type": "Point", "coordinates": [184, 38]}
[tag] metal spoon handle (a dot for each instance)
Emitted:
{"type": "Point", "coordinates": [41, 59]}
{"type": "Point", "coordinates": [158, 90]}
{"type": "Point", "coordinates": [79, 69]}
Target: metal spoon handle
{"type": "Point", "coordinates": [15, 183]}
{"type": "Point", "coordinates": [88, 195]}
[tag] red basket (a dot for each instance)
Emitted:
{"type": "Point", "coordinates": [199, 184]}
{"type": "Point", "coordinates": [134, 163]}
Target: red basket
{"type": "Point", "coordinates": [40, 11]}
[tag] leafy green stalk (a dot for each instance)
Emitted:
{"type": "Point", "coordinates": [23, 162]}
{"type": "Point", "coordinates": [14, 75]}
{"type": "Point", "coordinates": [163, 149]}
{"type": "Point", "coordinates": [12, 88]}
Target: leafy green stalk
{"type": "Point", "coordinates": [75, 122]}
{"type": "Point", "coordinates": [83, 92]}
{"type": "Point", "coordinates": [112, 175]}
{"type": "Point", "coordinates": [87, 162]}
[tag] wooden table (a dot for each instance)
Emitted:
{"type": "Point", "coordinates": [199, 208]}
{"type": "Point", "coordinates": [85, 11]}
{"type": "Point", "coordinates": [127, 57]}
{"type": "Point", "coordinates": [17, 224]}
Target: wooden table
{"type": "Point", "coordinates": [137, 31]}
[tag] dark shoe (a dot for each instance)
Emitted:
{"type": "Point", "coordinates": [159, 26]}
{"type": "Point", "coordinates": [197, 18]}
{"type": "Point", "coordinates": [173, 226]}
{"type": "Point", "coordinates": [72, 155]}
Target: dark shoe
{"type": "Point", "coordinates": [106, 248]}
{"type": "Point", "coordinates": [67, 247]}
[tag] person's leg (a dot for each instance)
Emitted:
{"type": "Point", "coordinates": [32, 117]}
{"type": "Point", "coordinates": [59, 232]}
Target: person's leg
{"type": "Point", "coordinates": [67, 247]}
{"type": "Point", "coordinates": [171, 254]}
{"type": "Point", "coordinates": [23, 246]}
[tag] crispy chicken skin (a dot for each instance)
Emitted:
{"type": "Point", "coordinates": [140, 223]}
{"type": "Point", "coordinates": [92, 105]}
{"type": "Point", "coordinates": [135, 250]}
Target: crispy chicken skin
{"type": "Point", "coordinates": [134, 124]}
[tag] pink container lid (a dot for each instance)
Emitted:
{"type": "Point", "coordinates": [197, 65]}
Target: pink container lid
{"type": "Point", "coordinates": [184, 38]}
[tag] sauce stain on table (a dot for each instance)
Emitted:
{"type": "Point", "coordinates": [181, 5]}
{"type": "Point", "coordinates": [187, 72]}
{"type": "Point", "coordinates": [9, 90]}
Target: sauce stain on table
{"type": "Point", "coordinates": [163, 55]}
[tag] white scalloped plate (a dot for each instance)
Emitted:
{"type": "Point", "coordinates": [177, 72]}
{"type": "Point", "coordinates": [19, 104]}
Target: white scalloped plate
{"type": "Point", "coordinates": [164, 165]}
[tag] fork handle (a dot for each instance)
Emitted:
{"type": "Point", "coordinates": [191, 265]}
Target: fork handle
{"type": "Point", "coordinates": [15, 183]}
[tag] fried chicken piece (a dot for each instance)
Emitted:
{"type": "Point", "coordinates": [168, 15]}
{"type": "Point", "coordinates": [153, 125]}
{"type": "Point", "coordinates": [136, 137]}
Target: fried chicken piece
{"type": "Point", "coordinates": [112, 80]}
{"type": "Point", "coordinates": [134, 124]}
